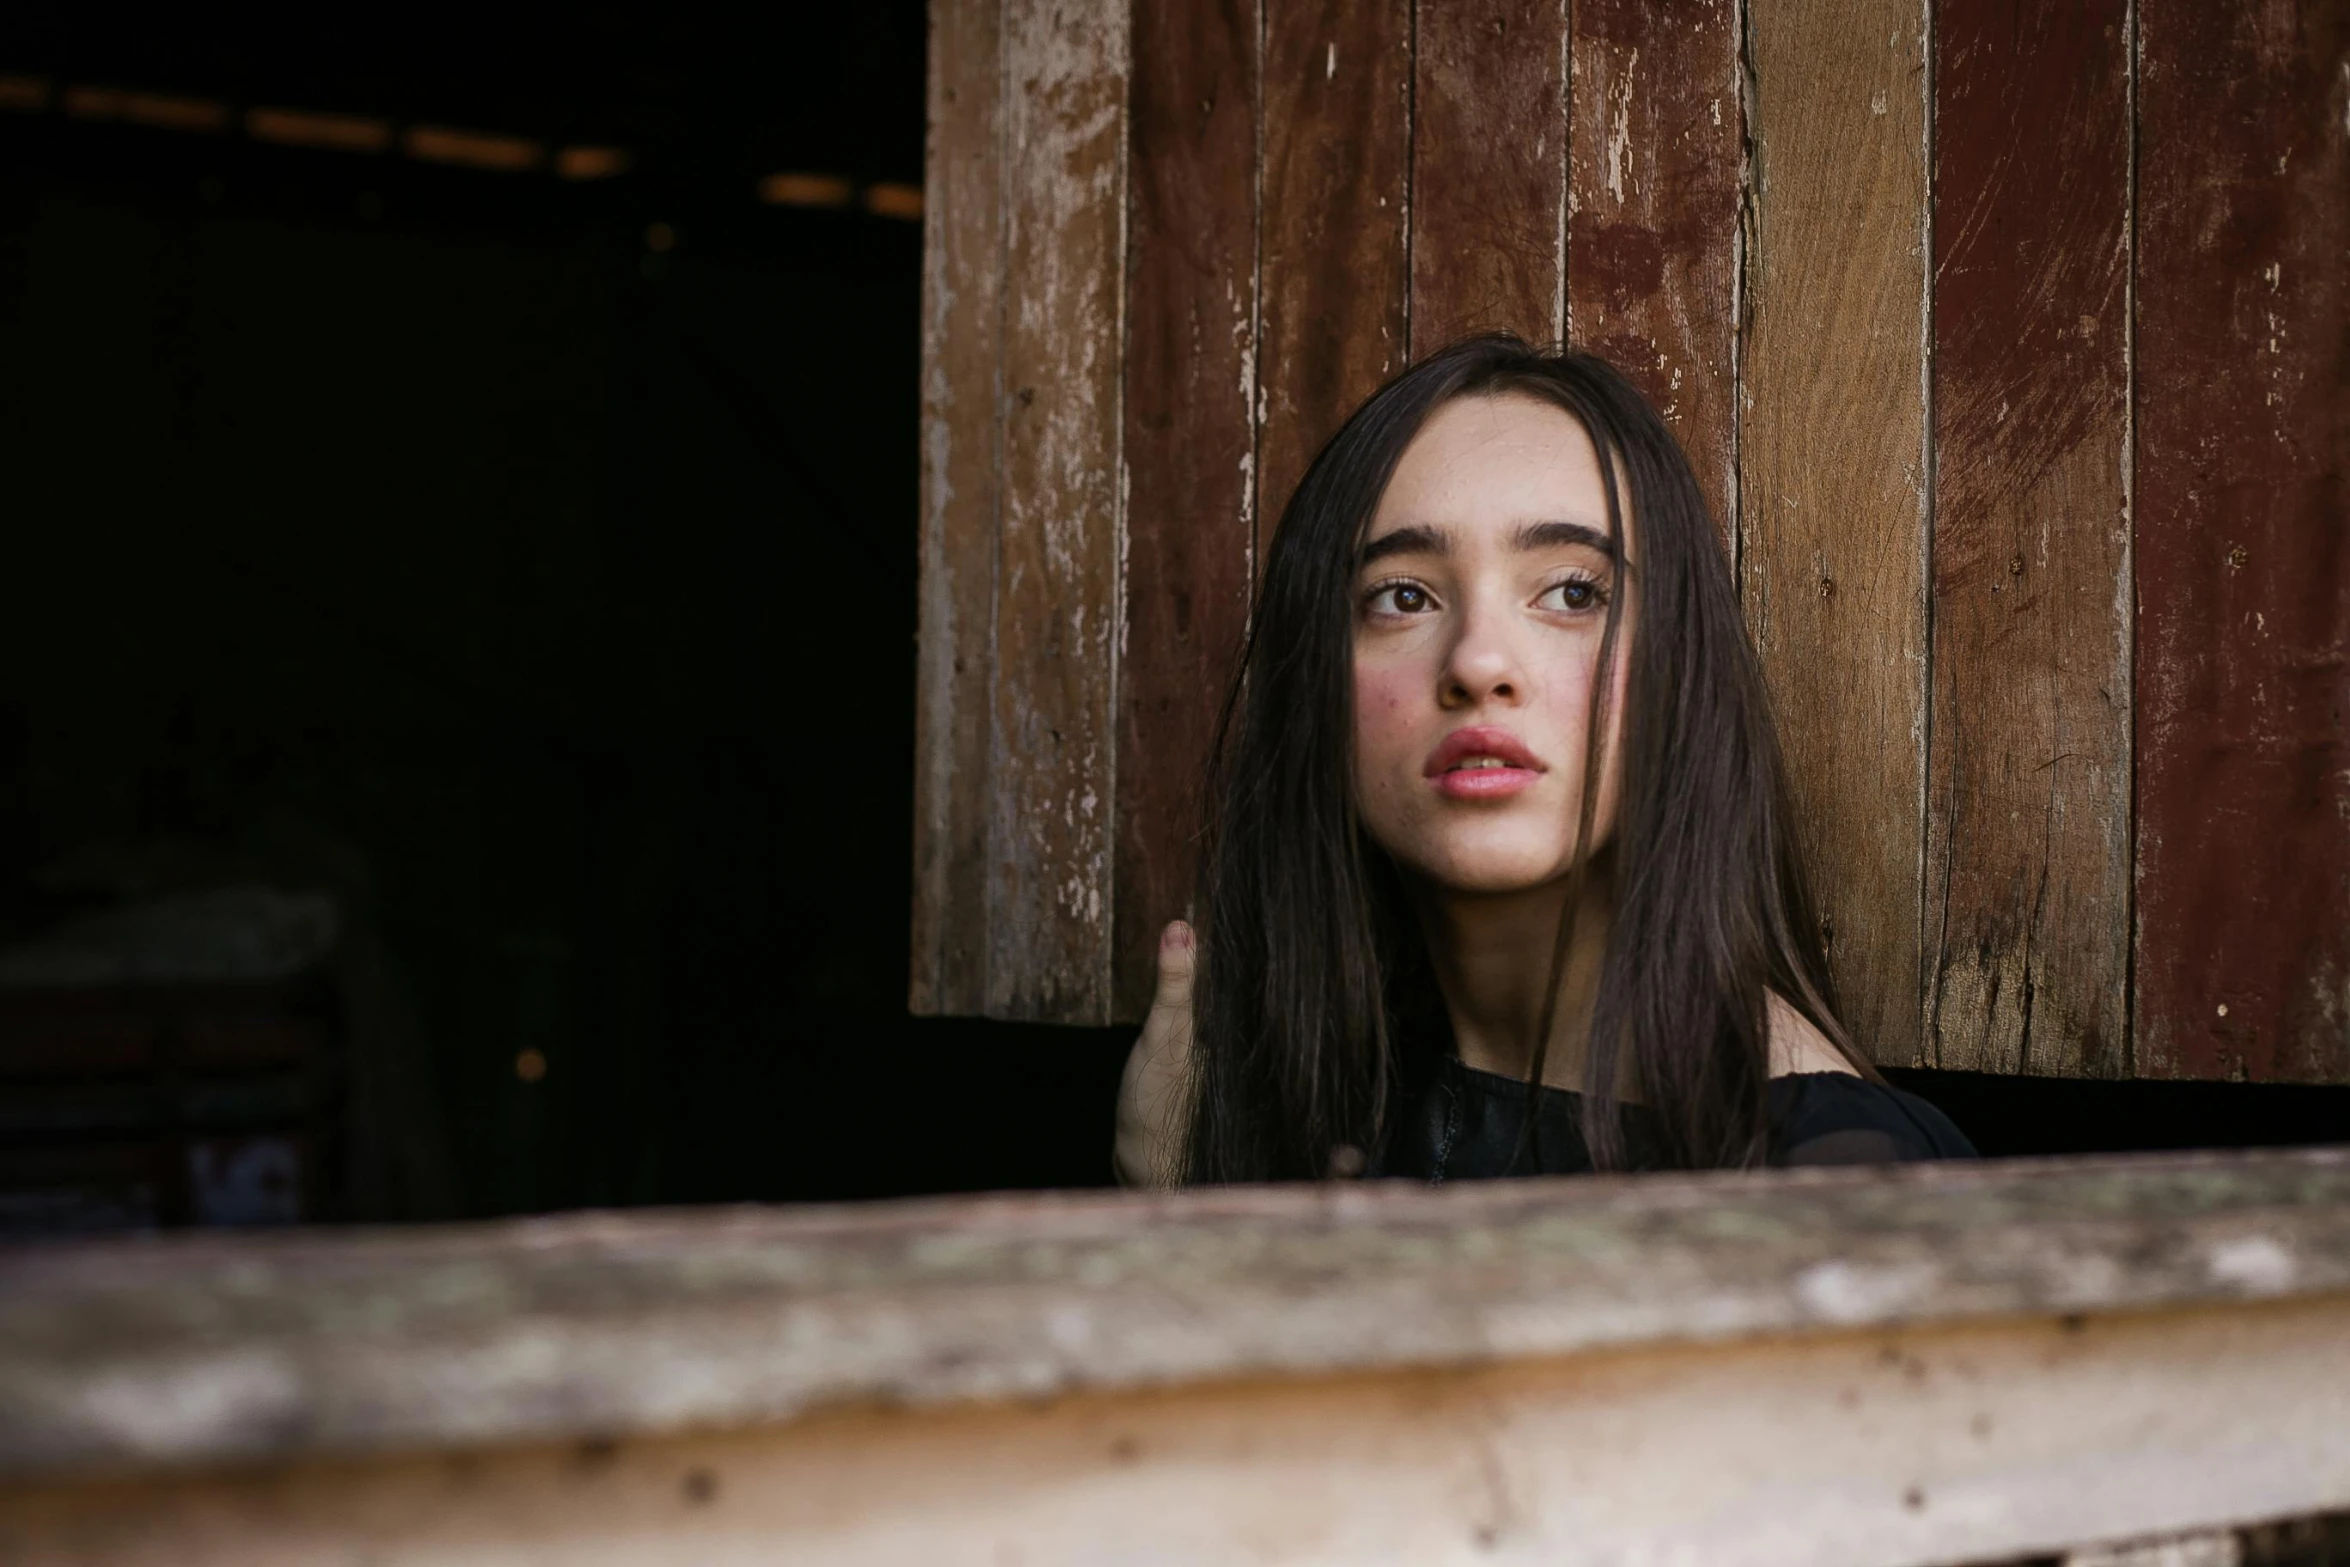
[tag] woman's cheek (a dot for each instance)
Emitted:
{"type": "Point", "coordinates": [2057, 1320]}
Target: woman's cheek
{"type": "Point", "coordinates": [1565, 701]}
{"type": "Point", "coordinates": [1383, 714]}
{"type": "Point", "coordinates": [1387, 741]}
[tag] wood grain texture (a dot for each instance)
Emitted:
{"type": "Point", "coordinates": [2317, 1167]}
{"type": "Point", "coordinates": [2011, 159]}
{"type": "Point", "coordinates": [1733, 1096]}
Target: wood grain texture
{"type": "Point", "coordinates": [208, 1349]}
{"type": "Point", "coordinates": [2243, 561]}
{"type": "Point", "coordinates": [1832, 473]}
{"type": "Point", "coordinates": [1489, 139]}
{"type": "Point", "coordinates": [2028, 822]}
{"type": "Point", "coordinates": [1658, 156]}
{"type": "Point", "coordinates": [1332, 188]}
{"type": "Point", "coordinates": [1054, 751]}
{"type": "Point", "coordinates": [962, 279]}
{"type": "Point", "coordinates": [1989, 1442]}
{"type": "Point", "coordinates": [1190, 369]}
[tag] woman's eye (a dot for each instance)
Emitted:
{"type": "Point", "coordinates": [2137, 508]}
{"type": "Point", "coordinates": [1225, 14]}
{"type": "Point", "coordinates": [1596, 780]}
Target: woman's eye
{"type": "Point", "coordinates": [1577, 593]}
{"type": "Point", "coordinates": [1401, 598]}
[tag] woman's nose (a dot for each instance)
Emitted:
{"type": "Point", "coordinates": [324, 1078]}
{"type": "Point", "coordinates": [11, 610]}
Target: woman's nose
{"type": "Point", "coordinates": [1482, 664]}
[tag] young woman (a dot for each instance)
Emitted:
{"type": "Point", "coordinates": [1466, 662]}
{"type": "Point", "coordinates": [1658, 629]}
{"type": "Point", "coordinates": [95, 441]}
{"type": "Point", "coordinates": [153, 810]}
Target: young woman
{"type": "Point", "coordinates": [1499, 874]}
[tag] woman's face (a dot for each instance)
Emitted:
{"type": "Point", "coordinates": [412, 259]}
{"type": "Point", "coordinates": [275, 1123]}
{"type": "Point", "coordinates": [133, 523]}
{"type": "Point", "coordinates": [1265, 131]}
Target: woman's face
{"type": "Point", "coordinates": [1481, 599]}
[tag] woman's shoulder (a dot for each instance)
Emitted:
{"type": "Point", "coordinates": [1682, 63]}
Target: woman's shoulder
{"type": "Point", "coordinates": [1823, 1111]}
{"type": "Point", "coordinates": [1844, 1118]}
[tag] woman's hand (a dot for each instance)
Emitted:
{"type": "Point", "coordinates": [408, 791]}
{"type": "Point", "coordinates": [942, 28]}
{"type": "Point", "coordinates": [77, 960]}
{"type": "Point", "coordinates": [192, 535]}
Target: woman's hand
{"type": "Point", "coordinates": [1154, 1099]}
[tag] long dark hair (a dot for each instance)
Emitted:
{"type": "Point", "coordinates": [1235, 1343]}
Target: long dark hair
{"type": "Point", "coordinates": [1315, 1001]}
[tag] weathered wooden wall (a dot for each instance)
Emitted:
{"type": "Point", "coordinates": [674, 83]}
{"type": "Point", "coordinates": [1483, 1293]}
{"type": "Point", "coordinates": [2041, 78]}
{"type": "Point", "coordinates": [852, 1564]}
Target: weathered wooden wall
{"type": "Point", "coordinates": [2011, 341]}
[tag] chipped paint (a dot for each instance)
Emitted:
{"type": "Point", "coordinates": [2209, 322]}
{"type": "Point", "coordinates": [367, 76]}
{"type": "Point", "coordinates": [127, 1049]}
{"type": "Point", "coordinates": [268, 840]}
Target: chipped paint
{"type": "Point", "coordinates": [1619, 131]}
{"type": "Point", "coordinates": [2243, 863]}
{"type": "Point", "coordinates": [1062, 615]}
{"type": "Point", "coordinates": [2027, 834]}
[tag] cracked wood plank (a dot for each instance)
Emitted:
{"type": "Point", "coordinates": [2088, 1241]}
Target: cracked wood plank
{"type": "Point", "coordinates": [195, 1350]}
{"type": "Point", "coordinates": [1054, 750]}
{"type": "Point", "coordinates": [962, 279]}
{"type": "Point", "coordinates": [1337, 145]}
{"type": "Point", "coordinates": [1489, 150]}
{"type": "Point", "coordinates": [1652, 278]}
{"type": "Point", "coordinates": [1190, 381]}
{"type": "Point", "coordinates": [1832, 453]}
{"type": "Point", "coordinates": [2243, 561]}
{"type": "Point", "coordinates": [1908, 1448]}
{"type": "Point", "coordinates": [2028, 822]}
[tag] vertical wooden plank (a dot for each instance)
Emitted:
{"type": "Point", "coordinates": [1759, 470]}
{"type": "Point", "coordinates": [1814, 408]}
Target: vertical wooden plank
{"type": "Point", "coordinates": [2243, 562]}
{"type": "Point", "coordinates": [1831, 471]}
{"type": "Point", "coordinates": [1190, 370]}
{"type": "Point", "coordinates": [1054, 751]}
{"type": "Point", "coordinates": [1489, 136]}
{"type": "Point", "coordinates": [1658, 153]}
{"type": "Point", "coordinates": [1332, 189]}
{"type": "Point", "coordinates": [962, 280]}
{"type": "Point", "coordinates": [2028, 821]}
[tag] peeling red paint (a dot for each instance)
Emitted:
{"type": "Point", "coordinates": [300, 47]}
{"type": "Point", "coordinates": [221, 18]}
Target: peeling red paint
{"type": "Point", "coordinates": [2243, 563]}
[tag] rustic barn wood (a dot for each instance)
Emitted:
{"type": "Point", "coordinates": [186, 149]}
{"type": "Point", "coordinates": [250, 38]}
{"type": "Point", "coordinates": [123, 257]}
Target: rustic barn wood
{"type": "Point", "coordinates": [1489, 156]}
{"type": "Point", "coordinates": [1333, 189]}
{"type": "Point", "coordinates": [1653, 254]}
{"type": "Point", "coordinates": [1190, 442]}
{"type": "Point", "coordinates": [2243, 558]}
{"type": "Point", "coordinates": [2028, 827]}
{"type": "Point", "coordinates": [1929, 1365]}
{"type": "Point", "coordinates": [1054, 751]}
{"type": "Point", "coordinates": [1832, 472]}
{"type": "Point", "coordinates": [2034, 495]}
{"type": "Point", "coordinates": [962, 278]}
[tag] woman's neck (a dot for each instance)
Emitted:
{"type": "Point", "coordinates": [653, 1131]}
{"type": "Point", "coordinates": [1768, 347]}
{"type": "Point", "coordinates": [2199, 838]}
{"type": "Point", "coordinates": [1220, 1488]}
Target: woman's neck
{"type": "Point", "coordinates": [1492, 956]}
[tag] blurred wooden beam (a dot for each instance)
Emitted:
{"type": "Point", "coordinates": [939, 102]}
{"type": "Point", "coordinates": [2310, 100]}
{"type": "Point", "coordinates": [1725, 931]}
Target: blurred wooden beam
{"type": "Point", "coordinates": [1934, 1365]}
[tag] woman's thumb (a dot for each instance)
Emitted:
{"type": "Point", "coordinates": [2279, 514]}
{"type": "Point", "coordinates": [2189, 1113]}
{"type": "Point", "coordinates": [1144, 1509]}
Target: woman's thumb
{"type": "Point", "coordinates": [1178, 952]}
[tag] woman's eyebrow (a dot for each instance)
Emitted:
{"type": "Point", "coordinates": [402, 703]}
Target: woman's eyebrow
{"type": "Point", "coordinates": [1559, 535]}
{"type": "Point", "coordinates": [1414, 540]}
{"type": "Point", "coordinates": [1421, 539]}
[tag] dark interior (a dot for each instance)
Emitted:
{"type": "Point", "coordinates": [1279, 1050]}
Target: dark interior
{"type": "Point", "coordinates": [522, 569]}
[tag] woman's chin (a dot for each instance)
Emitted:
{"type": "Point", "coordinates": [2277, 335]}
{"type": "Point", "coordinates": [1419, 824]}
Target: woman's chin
{"type": "Point", "coordinates": [1489, 871]}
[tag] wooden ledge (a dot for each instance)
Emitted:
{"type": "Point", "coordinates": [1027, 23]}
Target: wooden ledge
{"type": "Point", "coordinates": [200, 1350]}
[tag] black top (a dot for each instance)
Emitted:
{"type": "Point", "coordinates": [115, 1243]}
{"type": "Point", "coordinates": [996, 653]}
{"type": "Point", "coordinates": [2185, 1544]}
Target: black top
{"type": "Point", "coordinates": [1467, 1124]}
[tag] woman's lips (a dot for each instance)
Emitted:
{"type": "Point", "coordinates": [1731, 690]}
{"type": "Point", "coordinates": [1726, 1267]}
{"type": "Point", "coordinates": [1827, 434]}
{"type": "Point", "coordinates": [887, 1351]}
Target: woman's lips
{"type": "Point", "coordinates": [1482, 763]}
{"type": "Point", "coordinates": [1485, 783]}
